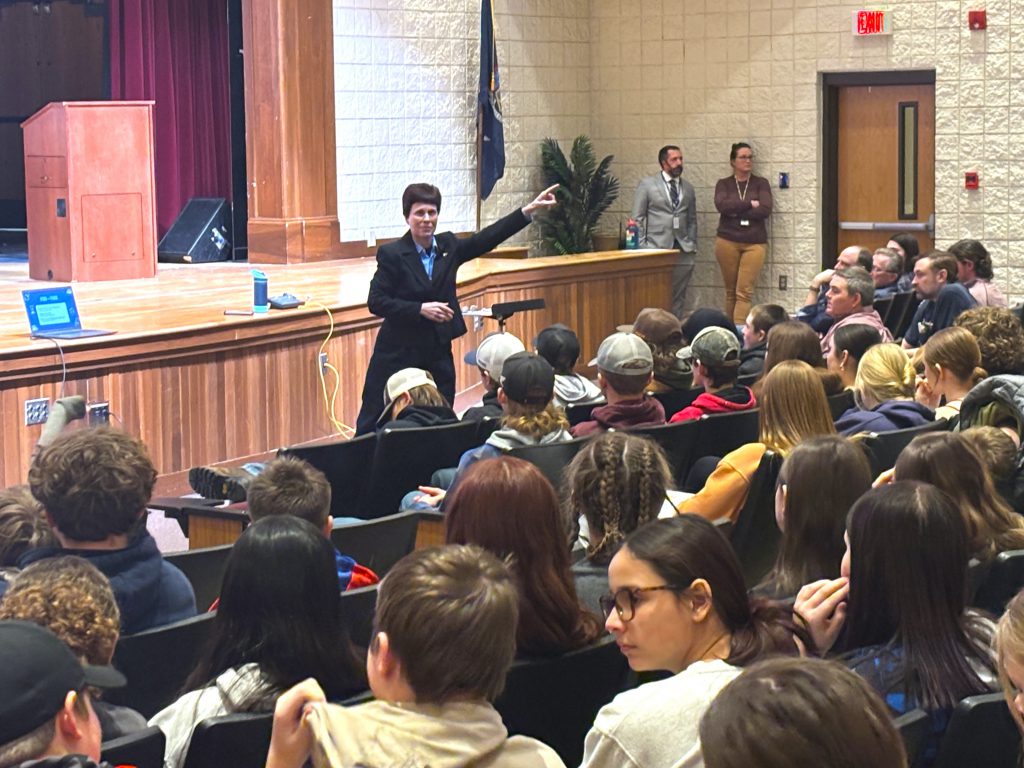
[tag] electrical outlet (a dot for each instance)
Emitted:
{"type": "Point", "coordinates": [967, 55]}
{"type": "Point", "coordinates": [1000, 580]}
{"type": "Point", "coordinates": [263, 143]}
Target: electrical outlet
{"type": "Point", "coordinates": [37, 411]}
{"type": "Point", "coordinates": [97, 413]}
{"type": "Point", "coordinates": [323, 362]}
{"type": "Point", "coordinates": [783, 282]}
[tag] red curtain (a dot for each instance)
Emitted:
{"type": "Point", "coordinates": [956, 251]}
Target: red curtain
{"type": "Point", "coordinates": [175, 53]}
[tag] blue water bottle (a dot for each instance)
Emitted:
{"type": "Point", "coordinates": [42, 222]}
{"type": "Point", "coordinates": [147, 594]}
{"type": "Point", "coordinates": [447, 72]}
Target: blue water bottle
{"type": "Point", "coordinates": [259, 291]}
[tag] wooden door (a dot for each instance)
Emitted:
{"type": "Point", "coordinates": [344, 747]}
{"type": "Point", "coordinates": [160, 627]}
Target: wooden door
{"type": "Point", "coordinates": [886, 164]}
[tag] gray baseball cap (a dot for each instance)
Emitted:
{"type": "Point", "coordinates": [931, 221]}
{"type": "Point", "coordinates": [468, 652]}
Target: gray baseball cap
{"type": "Point", "coordinates": [626, 354]}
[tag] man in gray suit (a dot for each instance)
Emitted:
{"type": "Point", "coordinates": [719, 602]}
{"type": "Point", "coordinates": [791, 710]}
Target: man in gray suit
{"type": "Point", "coordinates": [665, 208]}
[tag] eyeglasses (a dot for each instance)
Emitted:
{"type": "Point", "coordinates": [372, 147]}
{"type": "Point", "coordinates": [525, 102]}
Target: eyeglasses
{"type": "Point", "coordinates": [624, 600]}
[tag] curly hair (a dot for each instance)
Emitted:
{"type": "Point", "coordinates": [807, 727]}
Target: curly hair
{"type": "Point", "coordinates": [23, 525]}
{"type": "Point", "coordinates": [534, 420]}
{"type": "Point", "coordinates": [94, 482]}
{"type": "Point", "coordinates": [1000, 337]}
{"type": "Point", "coordinates": [618, 482]}
{"type": "Point", "coordinates": [71, 598]}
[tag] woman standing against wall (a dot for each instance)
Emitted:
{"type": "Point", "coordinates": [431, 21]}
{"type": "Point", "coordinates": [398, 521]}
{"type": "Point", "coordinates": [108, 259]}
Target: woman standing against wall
{"type": "Point", "coordinates": [745, 203]}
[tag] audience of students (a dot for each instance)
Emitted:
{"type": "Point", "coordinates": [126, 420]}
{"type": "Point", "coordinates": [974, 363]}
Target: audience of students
{"type": "Point", "coordinates": [952, 366]}
{"type": "Point", "coordinates": [848, 346]}
{"type": "Point", "coordinates": [884, 392]}
{"type": "Point", "coordinates": [999, 454]}
{"type": "Point", "coordinates": [663, 334]}
{"type": "Point", "coordinates": [706, 317]}
{"type": "Point", "coordinates": [489, 358]}
{"type": "Point", "coordinates": [412, 399]}
{"type": "Point", "coordinates": [793, 340]}
{"type": "Point", "coordinates": [715, 356]}
{"type": "Point", "coordinates": [762, 318]}
{"type": "Point", "coordinates": [560, 346]}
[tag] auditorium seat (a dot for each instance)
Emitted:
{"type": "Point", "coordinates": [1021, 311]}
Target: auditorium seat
{"type": "Point", "coordinates": [674, 400]}
{"type": "Point", "coordinates": [904, 305]}
{"type": "Point", "coordinates": [1003, 578]}
{"type": "Point", "coordinates": [144, 749]}
{"type": "Point", "coordinates": [577, 413]}
{"type": "Point", "coordinates": [914, 727]}
{"type": "Point", "coordinates": [981, 732]}
{"type": "Point", "coordinates": [551, 458]}
{"type": "Point", "coordinates": [378, 544]}
{"type": "Point", "coordinates": [556, 700]}
{"type": "Point", "coordinates": [204, 569]}
{"type": "Point", "coordinates": [755, 535]}
{"type": "Point", "coordinates": [723, 433]}
{"type": "Point", "coordinates": [240, 740]}
{"type": "Point", "coordinates": [346, 464]}
{"type": "Point", "coordinates": [883, 307]}
{"type": "Point", "coordinates": [747, 379]}
{"type": "Point", "coordinates": [840, 403]}
{"type": "Point", "coordinates": [678, 441]}
{"type": "Point", "coordinates": [486, 427]}
{"type": "Point", "coordinates": [157, 663]}
{"type": "Point", "coordinates": [357, 607]}
{"type": "Point", "coordinates": [883, 448]}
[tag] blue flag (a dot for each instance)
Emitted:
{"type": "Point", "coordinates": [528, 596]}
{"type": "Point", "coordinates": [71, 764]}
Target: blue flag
{"type": "Point", "coordinates": [492, 148]}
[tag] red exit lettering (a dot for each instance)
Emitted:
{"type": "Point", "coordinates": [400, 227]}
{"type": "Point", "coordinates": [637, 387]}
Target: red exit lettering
{"type": "Point", "coordinates": [870, 22]}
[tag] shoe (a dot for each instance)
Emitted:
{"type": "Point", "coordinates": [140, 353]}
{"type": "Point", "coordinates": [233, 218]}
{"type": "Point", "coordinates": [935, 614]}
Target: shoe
{"type": "Point", "coordinates": [228, 483]}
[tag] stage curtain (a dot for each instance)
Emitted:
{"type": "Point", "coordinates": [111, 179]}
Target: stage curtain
{"type": "Point", "coordinates": [175, 53]}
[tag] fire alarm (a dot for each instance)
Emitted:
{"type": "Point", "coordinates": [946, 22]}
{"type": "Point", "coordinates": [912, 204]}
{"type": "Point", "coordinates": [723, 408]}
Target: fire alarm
{"type": "Point", "coordinates": [971, 180]}
{"type": "Point", "coordinates": [977, 20]}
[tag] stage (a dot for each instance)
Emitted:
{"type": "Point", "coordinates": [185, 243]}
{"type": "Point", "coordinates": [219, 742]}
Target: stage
{"type": "Point", "coordinates": [202, 387]}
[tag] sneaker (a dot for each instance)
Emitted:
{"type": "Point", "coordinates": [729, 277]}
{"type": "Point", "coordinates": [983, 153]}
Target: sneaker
{"type": "Point", "coordinates": [223, 482]}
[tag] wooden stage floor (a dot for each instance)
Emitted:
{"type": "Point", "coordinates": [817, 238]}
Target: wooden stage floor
{"type": "Point", "coordinates": [201, 387]}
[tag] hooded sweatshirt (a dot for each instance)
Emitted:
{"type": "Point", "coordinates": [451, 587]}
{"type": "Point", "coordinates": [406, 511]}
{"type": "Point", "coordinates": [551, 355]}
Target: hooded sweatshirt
{"type": "Point", "coordinates": [890, 415]}
{"type": "Point", "coordinates": [415, 416]}
{"type": "Point", "coordinates": [724, 401]}
{"type": "Point", "coordinates": [149, 591]}
{"type": "Point", "coordinates": [573, 389]}
{"type": "Point", "coordinates": [629, 413]}
{"type": "Point", "coordinates": [489, 408]}
{"type": "Point", "coordinates": [421, 736]}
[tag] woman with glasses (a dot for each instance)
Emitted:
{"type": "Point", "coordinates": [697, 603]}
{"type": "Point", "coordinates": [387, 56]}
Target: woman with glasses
{"type": "Point", "coordinates": [678, 603]}
{"type": "Point", "coordinates": [744, 202]}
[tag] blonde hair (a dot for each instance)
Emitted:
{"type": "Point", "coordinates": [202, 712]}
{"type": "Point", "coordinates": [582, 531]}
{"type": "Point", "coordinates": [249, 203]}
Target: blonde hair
{"type": "Point", "coordinates": [793, 407]}
{"type": "Point", "coordinates": [957, 351]}
{"type": "Point", "coordinates": [1009, 644]}
{"type": "Point", "coordinates": [533, 420]}
{"type": "Point", "coordinates": [885, 373]}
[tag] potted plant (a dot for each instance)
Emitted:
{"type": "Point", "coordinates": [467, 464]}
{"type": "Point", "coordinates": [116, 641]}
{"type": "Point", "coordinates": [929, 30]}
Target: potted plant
{"type": "Point", "coordinates": [586, 190]}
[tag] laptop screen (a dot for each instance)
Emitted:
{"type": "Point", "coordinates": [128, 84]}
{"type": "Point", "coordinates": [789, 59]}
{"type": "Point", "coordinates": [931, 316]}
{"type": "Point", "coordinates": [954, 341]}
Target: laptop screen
{"type": "Point", "coordinates": [51, 309]}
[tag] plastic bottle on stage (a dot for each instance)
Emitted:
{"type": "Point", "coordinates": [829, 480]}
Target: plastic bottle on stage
{"type": "Point", "coordinates": [259, 291]}
{"type": "Point", "coordinates": [632, 234]}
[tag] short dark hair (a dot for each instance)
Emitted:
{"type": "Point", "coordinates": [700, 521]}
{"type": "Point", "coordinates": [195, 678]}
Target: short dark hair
{"type": "Point", "coordinates": [976, 253]}
{"type": "Point", "coordinates": [942, 260]}
{"type": "Point", "coordinates": [420, 193]}
{"type": "Point", "coordinates": [764, 316]}
{"type": "Point", "coordinates": [450, 615]}
{"type": "Point", "coordinates": [290, 486]}
{"type": "Point", "coordinates": [737, 147]}
{"type": "Point", "coordinates": [855, 339]}
{"type": "Point", "coordinates": [23, 525]}
{"type": "Point", "coordinates": [663, 152]}
{"type": "Point", "coordinates": [94, 482]}
{"type": "Point", "coordinates": [866, 259]}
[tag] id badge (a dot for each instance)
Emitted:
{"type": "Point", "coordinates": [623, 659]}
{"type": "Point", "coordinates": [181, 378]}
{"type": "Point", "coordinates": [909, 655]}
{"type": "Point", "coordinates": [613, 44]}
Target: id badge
{"type": "Point", "coordinates": [675, 222]}
{"type": "Point", "coordinates": [744, 222]}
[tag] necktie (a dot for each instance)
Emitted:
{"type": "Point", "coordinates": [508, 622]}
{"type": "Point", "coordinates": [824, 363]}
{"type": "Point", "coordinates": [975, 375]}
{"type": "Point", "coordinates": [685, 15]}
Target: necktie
{"type": "Point", "coordinates": [674, 192]}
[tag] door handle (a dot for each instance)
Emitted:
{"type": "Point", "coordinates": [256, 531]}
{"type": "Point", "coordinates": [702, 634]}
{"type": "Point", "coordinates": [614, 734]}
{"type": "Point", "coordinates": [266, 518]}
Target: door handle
{"type": "Point", "coordinates": [905, 226]}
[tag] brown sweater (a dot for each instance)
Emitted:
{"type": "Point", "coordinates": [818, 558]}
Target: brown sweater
{"type": "Point", "coordinates": [733, 210]}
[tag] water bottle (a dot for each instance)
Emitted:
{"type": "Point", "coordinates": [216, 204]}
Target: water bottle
{"type": "Point", "coordinates": [259, 291]}
{"type": "Point", "coordinates": [632, 234]}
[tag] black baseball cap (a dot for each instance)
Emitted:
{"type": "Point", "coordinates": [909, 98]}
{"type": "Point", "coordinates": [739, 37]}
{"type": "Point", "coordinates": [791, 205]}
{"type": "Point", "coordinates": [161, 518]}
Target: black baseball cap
{"type": "Point", "coordinates": [37, 671]}
{"type": "Point", "coordinates": [528, 379]}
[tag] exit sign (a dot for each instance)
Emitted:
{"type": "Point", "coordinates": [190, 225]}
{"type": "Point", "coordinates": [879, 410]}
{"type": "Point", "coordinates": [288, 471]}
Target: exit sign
{"type": "Point", "coordinates": [872, 23]}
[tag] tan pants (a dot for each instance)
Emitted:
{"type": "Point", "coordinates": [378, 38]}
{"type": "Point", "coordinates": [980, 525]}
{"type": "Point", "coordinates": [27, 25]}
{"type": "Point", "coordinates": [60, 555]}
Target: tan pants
{"type": "Point", "coordinates": [740, 264]}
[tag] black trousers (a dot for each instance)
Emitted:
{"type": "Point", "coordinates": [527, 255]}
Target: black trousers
{"type": "Point", "coordinates": [388, 360]}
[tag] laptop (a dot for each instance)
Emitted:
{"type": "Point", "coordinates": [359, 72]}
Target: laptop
{"type": "Point", "coordinates": [53, 314]}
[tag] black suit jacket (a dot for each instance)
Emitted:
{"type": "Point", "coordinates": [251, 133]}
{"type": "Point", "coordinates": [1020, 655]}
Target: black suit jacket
{"type": "Point", "coordinates": [400, 285]}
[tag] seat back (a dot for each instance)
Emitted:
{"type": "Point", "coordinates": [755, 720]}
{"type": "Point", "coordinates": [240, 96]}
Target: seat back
{"type": "Point", "coordinates": [747, 379]}
{"type": "Point", "coordinates": [1004, 578]}
{"type": "Point", "coordinates": [239, 740]}
{"type": "Point", "coordinates": [556, 700]}
{"type": "Point", "coordinates": [755, 536]}
{"type": "Point", "coordinates": [157, 662]}
{"type": "Point", "coordinates": [204, 569]}
{"type": "Point", "coordinates": [884, 306]}
{"type": "Point", "coordinates": [678, 441]}
{"type": "Point", "coordinates": [406, 458]}
{"type": "Point", "coordinates": [674, 400]}
{"type": "Point", "coordinates": [725, 432]}
{"type": "Point", "coordinates": [550, 458]}
{"type": "Point", "coordinates": [981, 732]}
{"type": "Point", "coordinates": [357, 607]}
{"type": "Point", "coordinates": [840, 403]}
{"type": "Point", "coordinates": [914, 727]}
{"type": "Point", "coordinates": [378, 544]}
{"type": "Point", "coordinates": [485, 427]}
{"type": "Point", "coordinates": [346, 464]}
{"type": "Point", "coordinates": [577, 413]}
{"type": "Point", "coordinates": [143, 749]}
{"type": "Point", "coordinates": [899, 322]}
{"type": "Point", "coordinates": [883, 448]}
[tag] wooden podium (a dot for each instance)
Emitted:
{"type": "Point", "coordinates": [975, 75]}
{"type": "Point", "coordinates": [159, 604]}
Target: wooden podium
{"type": "Point", "coordinates": [90, 194]}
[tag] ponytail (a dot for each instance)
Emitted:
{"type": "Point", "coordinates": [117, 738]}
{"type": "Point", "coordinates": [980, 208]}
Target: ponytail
{"type": "Point", "coordinates": [770, 631]}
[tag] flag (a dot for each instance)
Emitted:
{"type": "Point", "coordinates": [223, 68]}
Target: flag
{"type": "Point", "coordinates": [491, 147]}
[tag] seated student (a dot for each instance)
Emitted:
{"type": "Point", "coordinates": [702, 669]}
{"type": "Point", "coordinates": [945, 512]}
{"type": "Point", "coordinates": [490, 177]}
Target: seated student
{"type": "Point", "coordinates": [678, 603]}
{"type": "Point", "coordinates": [561, 348]}
{"type": "Point", "coordinates": [94, 485]}
{"type": "Point", "coordinates": [998, 453]}
{"type": "Point", "coordinates": [952, 366]}
{"type": "Point", "coordinates": [616, 483]}
{"type": "Point", "coordinates": [489, 357]}
{"type": "Point", "coordinates": [715, 355]}
{"type": "Point", "coordinates": [72, 599]}
{"type": "Point", "coordinates": [663, 334]}
{"type": "Point", "coordinates": [793, 340]}
{"type": "Point", "coordinates": [278, 622]}
{"type": "Point", "coordinates": [508, 507]}
{"type": "Point", "coordinates": [897, 613]}
{"type": "Point", "coordinates": [848, 347]}
{"type": "Point", "coordinates": [47, 718]}
{"type": "Point", "coordinates": [440, 652]}
{"type": "Point", "coordinates": [411, 399]}
{"type": "Point", "coordinates": [884, 393]}
{"type": "Point", "coordinates": [942, 297]}
{"type": "Point", "coordinates": [1009, 646]}
{"type": "Point", "coordinates": [23, 527]}
{"type": "Point", "coordinates": [974, 272]}
{"type": "Point", "coordinates": [812, 514]}
{"type": "Point", "coordinates": [625, 369]}
{"type": "Point", "coordinates": [762, 318]}
{"type": "Point", "coordinates": [290, 486]}
{"type": "Point", "coordinates": [831, 717]}
{"type": "Point", "coordinates": [793, 409]}
{"type": "Point", "coordinates": [1000, 338]}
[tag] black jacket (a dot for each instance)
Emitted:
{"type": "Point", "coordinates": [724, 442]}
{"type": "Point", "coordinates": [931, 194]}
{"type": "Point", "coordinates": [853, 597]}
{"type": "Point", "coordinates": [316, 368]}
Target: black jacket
{"type": "Point", "coordinates": [415, 416]}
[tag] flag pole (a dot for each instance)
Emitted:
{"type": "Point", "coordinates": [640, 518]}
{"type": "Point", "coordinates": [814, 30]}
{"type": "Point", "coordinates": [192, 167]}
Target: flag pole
{"type": "Point", "coordinates": [479, 156]}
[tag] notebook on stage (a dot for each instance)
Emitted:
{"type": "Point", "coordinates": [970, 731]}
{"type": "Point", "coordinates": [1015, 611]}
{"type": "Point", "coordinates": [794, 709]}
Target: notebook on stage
{"type": "Point", "coordinates": [53, 314]}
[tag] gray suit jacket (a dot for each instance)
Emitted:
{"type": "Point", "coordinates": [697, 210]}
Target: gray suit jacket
{"type": "Point", "coordinates": [652, 209]}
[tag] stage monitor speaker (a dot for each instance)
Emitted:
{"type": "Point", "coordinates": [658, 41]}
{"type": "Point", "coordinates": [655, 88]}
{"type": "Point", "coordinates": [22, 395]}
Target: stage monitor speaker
{"type": "Point", "coordinates": [199, 234]}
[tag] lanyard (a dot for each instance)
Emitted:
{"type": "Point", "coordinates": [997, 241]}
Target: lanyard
{"type": "Point", "coordinates": [743, 195]}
